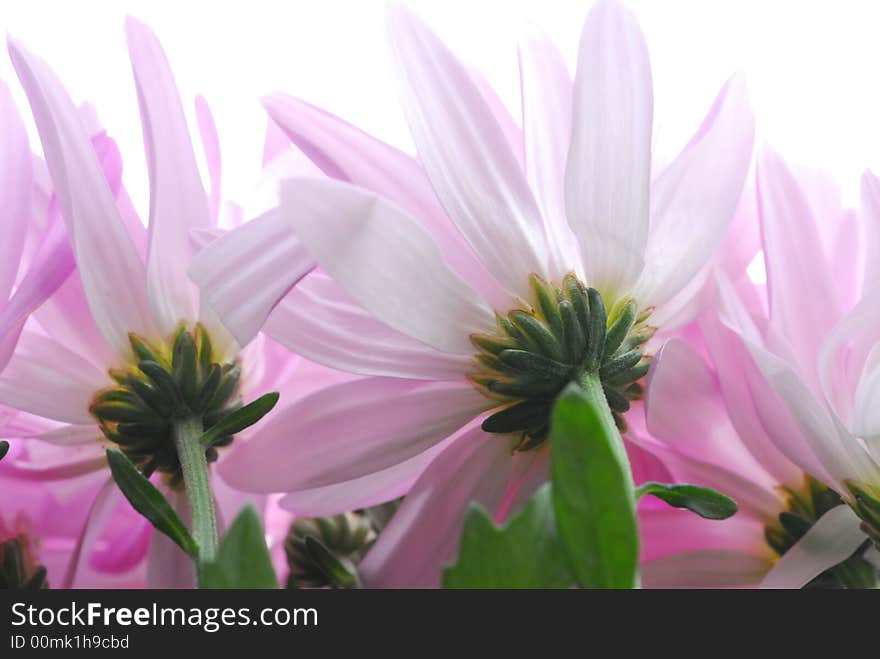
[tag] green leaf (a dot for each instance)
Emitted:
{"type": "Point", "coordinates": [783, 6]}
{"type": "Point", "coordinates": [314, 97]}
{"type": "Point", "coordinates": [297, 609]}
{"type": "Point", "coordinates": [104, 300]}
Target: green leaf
{"type": "Point", "coordinates": [148, 501]}
{"type": "Point", "coordinates": [701, 500]}
{"type": "Point", "coordinates": [593, 497]}
{"type": "Point", "coordinates": [524, 553]}
{"type": "Point", "coordinates": [243, 559]}
{"type": "Point", "coordinates": [240, 419]}
{"type": "Point", "coordinates": [4, 449]}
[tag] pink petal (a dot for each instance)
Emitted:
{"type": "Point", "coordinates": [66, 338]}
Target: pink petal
{"type": "Point", "coordinates": [423, 535]}
{"type": "Point", "coordinates": [547, 105]}
{"type": "Point", "coordinates": [47, 379]}
{"type": "Point", "coordinates": [705, 569]}
{"type": "Point", "coordinates": [319, 321]}
{"type": "Point", "coordinates": [177, 200]}
{"type": "Point", "coordinates": [831, 540]}
{"type": "Point", "coordinates": [107, 260]}
{"type": "Point", "coordinates": [467, 156]}
{"type": "Point", "coordinates": [694, 198]}
{"type": "Point", "coordinates": [15, 189]}
{"type": "Point", "coordinates": [348, 154]}
{"type": "Point", "coordinates": [243, 274]}
{"type": "Point", "coordinates": [350, 430]}
{"type": "Point", "coordinates": [211, 146]}
{"type": "Point", "coordinates": [796, 261]}
{"type": "Point", "coordinates": [870, 216]}
{"type": "Point", "coordinates": [609, 161]}
{"type": "Point", "coordinates": [168, 566]}
{"type": "Point", "coordinates": [384, 260]}
{"type": "Point", "coordinates": [99, 511]}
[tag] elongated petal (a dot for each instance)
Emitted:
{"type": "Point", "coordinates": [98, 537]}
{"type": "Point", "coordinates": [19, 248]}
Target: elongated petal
{"type": "Point", "coordinates": [870, 217]}
{"type": "Point", "coordinates": [346, 153]}
{"type": "Point", "coordinates": [319, 321]}
{"type": "Point", "coordinates": [211, 146]}
{"type": "Point", "coordinates": [609, 160]}
{"type": "Point", "coordinates": [693, 200]}
{"type": "Point", "coordinates": [50, 266]}
{"type": "Point", "coordinates": [383, 259]}
{"type": "Point", "coordinates": [467, 157]}
{"type": "Point", "coordinates": [423, 535]}
{"type": "Point", "coordinates": [101, 508]}
{"type": "Point", "coordinates": [71, 435]}
{"type": "Point", "coordinates": [112, 273]}
{"type": "Point", "coordinates": [177, 202]}
{"type": "Point", "coordinates": [168, 566]}
{"type": "Point", "coordinates": [350, 430]}
{"type": "Point", "coordinates": [45, 378]}
{"type": "Point", "coordinates": [243, 274]}
{"type": "Point", "coordinates": [831, 540]}
{"type": "Point", "coordinates": [547, 106]}
{"type": "Point", "coordinates": [15, 189]}
{"type": "Point", "coordinates": [796, 261]}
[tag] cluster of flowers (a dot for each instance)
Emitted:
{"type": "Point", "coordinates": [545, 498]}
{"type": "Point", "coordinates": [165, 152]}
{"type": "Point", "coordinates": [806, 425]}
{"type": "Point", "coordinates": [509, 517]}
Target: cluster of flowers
{"type": "Point", "coordinates": [419, 316]}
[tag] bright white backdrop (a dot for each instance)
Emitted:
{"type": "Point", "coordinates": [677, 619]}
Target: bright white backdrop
{"type": "Point", "coordinates": [811, 66]}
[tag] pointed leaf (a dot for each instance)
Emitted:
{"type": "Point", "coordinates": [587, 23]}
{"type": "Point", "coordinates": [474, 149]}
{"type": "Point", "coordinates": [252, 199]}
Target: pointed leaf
{"type": "Point", "coordinates": [148, 501]}
{"type": "Point", "coordinates": [240, 419]}
{"type": "Point", "coordinates": [336, 572]}
{"type": "Point", "coordinates": [524, 553]}
{"type": "Point", "coordinates": [701, 500]}
{"type": "Point", "coordinates": [243, 559]}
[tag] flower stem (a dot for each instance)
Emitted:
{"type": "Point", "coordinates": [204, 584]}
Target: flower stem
{"type": "Point", "coordinates": [198, 486]}
{"type": "Point", "coordinates": [592, 387]}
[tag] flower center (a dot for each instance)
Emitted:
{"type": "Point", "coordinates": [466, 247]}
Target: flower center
{"type": "Point", "coordinates": [166, 384]}
{"type": "Point", "coordinates": [19, 569]}
{"type": "Point", "coordinates": [559, 336]}
{"type": "Point", "coordinates": [804, 509]}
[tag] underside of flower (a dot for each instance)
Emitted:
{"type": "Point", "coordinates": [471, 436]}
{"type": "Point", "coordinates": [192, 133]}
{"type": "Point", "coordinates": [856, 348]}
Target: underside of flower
{"type": "Point", "coordinates": [867, 506]}
{"type": "Point", "coordinates": [804, 509]}
{"type": "Point", "coordinates": [560, 336]}
{"type": "Point", "coordinates": [166, 384]}
{"type": "Point", "coordinates": [324, 551]}
{"type": "Point", "coordinates": [18, 567]}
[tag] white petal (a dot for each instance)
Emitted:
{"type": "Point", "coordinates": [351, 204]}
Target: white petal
{"type": "Point", "coordinates": [112, 273]}
{"type": "Point", "coordinates": [831, 540]}
{"type": "Point", "coordinates": [177, 201]}
{"type": "Point", "coordinates": [319, 321]}
{"type": "Point", "coordinates": [467, 157]}
{"type": "Point", "coordinates": [870, 217]}
{"type": "Point", "coordinates": [693, 200]}
{"type": "Point", "coordinates": [609, 159]}
{"type": "Point", "coordinates": [45, 378]}
{"type": "Point", "coordinates": [384, 259]}
{"type": "Point", "coordinates": [211, 146]}
{"type": "Point", "coordinates": [547, 105]}
{"type": "Point", "coordinates": [243, 274]}
{"type": "Point", "coordinates": [350, 430]}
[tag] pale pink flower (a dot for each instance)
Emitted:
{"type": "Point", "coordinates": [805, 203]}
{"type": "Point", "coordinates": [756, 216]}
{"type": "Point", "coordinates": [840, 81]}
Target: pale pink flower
{"type": "Point", "coordinates": [796, 361]}
{"type": "Point", "coordinates": [129, 279]}
{"type": "Point", "coordinates": [416, 257]}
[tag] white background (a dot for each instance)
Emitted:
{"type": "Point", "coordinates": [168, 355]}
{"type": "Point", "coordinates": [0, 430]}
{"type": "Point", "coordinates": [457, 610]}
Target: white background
{"type": "Point", "coordinates": [811, 66]}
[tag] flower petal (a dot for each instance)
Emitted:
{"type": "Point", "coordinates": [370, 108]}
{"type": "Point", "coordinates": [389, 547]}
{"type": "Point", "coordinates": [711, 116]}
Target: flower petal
{"type": "Point", "coordinates": [467, 156]}
{"type": "Point", "coordinates": [870, 217]}
{"type": "Point", "coordinates": [423, 535]}
{"type": "Point", "coordinates": [243, 274]}
{"type": "Point", "coordinates": [111, 270]}
{"type": "Point", "coordinates": [45, 378]}
{"type": "Point", "coordinates": [831, 540]}
{"type": "Point", "coordinates": [177, 201]}
{"type": "Point", "coordinates": [350, 430]}
{"type": "Point", "coordinates": [609, 160]}
{"type": "Point", "coordinates": [319, 321]}
{"type": "Point", "coordinates": [384, 260]}
{"type": "Point", "coordinates": [211, 147]}
{"type": "Point", "coordinates": [15, 189]}
{"type": "Point", "coordinates": [102, 506]}
{"type": "Point", "coordinates": [547, 105]}
{"type": "Point", "coordinates": [693, 200]}
{"type": "Point", "coordinates": [705, 569]}
{"type": "Point", "coordinates": [346, 153]}
{"type": "Point", "coordinates": [168, 566]}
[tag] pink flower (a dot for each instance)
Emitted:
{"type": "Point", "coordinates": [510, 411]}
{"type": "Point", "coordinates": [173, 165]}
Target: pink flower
{"type": "Point", "coordinates": [417, 258]}
{"type": "Point", "coordinates": [780, 397]}
{"type": "Point", "coordinates": [84, 349]}
{"type": "Point", "coordinates": [24, 282]}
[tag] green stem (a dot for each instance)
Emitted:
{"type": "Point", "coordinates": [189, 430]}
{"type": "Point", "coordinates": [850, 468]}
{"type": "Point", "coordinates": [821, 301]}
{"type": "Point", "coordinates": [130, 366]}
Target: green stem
{"type": "Point", "coordinates": [198, 486]}
{"type": "Point", "coordinates": [592, 387]}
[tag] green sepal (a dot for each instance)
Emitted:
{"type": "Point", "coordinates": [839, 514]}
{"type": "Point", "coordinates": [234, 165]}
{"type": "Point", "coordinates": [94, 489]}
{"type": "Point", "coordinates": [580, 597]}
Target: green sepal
{"type": "Point", "coordinates": [242, 418]}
